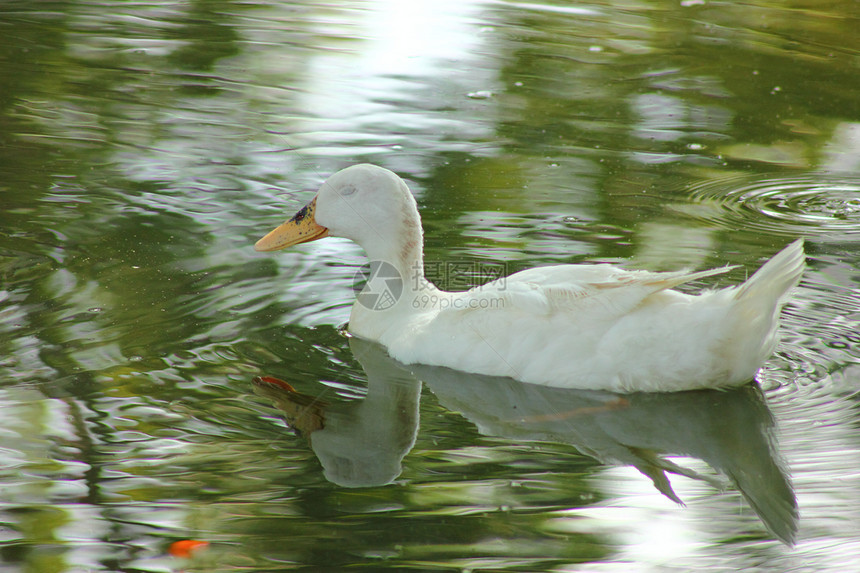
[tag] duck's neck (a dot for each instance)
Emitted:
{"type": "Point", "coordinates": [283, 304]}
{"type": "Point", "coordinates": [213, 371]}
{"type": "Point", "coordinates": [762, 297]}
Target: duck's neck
{"type": "Point", "coordinates": [403, 259]}
{"type": "Point", "coordinates": [396, 281]}
{"type": "Point", "coordinates": [403, 249]}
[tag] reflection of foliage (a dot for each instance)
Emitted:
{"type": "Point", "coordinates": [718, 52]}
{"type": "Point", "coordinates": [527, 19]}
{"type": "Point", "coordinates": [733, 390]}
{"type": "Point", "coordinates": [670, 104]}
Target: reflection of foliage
{"type": "Point", "coordinates": [207, 37]}
{"type": "Point", "coordinates": [602, 105]}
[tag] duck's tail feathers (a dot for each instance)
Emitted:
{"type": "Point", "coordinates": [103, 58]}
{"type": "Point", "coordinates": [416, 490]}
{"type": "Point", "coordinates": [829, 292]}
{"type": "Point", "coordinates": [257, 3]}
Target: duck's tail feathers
{"type": "Point", "coordinates": [775, 279]}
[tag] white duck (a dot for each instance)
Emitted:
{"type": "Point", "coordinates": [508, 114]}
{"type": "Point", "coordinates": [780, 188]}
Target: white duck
{"type": "Point", "coordinates": [573, 326]}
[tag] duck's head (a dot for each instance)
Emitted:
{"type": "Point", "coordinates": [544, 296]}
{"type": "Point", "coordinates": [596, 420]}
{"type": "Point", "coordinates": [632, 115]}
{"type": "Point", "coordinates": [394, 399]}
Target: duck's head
{"type": "Point", "coordinates": [367, 204]}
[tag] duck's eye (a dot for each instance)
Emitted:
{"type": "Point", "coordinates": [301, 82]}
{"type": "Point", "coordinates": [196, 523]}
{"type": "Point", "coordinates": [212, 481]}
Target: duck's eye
{"type": "Point", "coordinates": [348, 190]}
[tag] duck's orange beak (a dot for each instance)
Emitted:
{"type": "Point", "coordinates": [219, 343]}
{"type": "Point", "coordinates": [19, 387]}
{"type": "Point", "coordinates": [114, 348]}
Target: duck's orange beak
{"type": "Point", "coordinates": [300, 229]}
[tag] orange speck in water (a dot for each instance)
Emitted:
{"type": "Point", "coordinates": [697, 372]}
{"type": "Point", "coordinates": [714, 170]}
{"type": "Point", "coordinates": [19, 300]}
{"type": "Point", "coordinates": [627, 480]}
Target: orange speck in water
{"type": "Point", "coordinates": [186, 547]}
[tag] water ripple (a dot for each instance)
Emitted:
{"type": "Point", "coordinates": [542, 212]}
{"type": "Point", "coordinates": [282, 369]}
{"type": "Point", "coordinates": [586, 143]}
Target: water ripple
{"type": "Point", "coordinates": [825, 207]}
{"type": "Point", "coordinates": [820, 346]}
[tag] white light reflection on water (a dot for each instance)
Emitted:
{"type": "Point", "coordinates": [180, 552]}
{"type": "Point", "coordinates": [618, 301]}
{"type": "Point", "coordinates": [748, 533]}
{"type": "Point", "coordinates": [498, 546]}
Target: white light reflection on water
{"type": "Point", "coordinates": [386, 83]}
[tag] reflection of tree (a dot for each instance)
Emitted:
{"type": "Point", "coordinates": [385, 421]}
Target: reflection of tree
{"type": "Point", "coordinates": [29, 59]}
{"type": "Point", "coordinates": [619, 109]}
{"type": "Point", "coordinates": [575, 80]}
{"type": "Point", "coordinates": [207, 35]}
{"type": "Point", "coordinates": [113, 247]}
{"type": "Point", "coordinates": [97, 265]}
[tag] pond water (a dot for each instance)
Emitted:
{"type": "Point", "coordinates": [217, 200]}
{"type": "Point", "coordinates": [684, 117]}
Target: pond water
{"type": "Point", "coordinates": [145, 146]}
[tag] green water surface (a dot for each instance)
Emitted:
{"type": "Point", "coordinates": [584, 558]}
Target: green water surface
{"type": "Point", "coordinates": [145, 146]}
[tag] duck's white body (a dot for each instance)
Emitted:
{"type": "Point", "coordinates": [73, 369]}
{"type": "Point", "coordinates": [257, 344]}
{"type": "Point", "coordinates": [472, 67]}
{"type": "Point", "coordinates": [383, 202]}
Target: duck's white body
{"type": "Point", "coordinates": [572, 326]}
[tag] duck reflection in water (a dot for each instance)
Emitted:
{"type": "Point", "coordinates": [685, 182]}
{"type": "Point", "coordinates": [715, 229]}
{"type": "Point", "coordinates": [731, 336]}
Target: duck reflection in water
{"type": "Point", "coordinates": [359, 443]}
{"type": "Point", "coordinates": [363, 443]}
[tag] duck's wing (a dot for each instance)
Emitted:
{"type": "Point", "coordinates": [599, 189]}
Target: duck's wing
{"type": "Point", "coordinates": [544, 290]}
